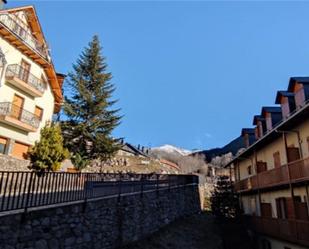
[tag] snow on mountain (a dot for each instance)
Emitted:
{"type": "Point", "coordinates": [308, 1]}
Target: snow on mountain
{"type": "Point", "coordinates": [172, 150]}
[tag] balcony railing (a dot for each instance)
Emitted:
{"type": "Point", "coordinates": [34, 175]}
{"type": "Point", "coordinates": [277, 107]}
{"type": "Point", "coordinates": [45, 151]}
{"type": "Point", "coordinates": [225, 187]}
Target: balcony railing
{"type": "Point", "coordinates": [298, 171]}
{"type": "Point", "coordinates": [295, 231]}
{"type": "Point", "coordinates": [16, 112]}
{"type": "Point", "coordinates": [23, 34]}
{"type": "Point", "coordinates": [21, 73]}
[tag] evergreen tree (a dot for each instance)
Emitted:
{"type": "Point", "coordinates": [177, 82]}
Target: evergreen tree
{"type": "Point", "coordinates": [224, 201]}
{"type": "Point", "coordinates": [89, 109]}
{"type": "Point", "coordinates": [48, 153]}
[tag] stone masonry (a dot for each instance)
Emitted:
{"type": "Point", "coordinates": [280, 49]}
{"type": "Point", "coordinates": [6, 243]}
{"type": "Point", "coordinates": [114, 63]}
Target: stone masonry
{"type": "Point", "coordinates": [99, 224]}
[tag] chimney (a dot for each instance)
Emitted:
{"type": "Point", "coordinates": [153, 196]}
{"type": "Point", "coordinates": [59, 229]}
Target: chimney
{"type": "Point", "coordinates": [287, 101]}
{"type": "Point", "coordinates": [2, 3]}
{"type": "Point", "coordinates": [272, 115]}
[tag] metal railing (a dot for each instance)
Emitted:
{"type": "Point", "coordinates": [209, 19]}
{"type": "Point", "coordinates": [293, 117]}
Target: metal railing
{"type": "Point", "coordinates": [14, 111]}
{"type": "Point", "coordinates": [23, 34]}
{"type": "Point", "coordinates": [22, 190]}
{"type": "Point", "coordinates": [24, 75]}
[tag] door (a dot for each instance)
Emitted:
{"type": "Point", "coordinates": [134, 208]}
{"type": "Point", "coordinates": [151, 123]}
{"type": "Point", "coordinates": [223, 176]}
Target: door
{"type": "Point", "coordinates": [277, 160]}
{"type": "Point", "coordinates": [281, 204]}
{"type": "Point", "coordinates": [17, 106]}
{"type": "Point", "coordinates": [293, 154]}
{"type": "Point", "coordinates": [24, 71]}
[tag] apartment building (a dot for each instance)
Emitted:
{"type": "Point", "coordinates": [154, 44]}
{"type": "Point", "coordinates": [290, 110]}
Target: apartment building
{"type": "Point", "coordinates": [272, 173]}
{"type": "Point", "coordinates": [30, 88]}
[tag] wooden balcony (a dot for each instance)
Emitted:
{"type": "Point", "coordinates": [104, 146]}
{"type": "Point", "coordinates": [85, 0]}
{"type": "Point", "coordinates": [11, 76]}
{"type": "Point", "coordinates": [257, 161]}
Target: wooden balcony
{"type": "Point", "coordinates": [22, 39]}
{"type": "Point", "coordinates": [18, 117]}
{"type": "Point", "coordinates": [298, 171]}
{"type": "Point", "coordinates": [295, 231]}
{"type": "Point", "coordinates": [24, 80]}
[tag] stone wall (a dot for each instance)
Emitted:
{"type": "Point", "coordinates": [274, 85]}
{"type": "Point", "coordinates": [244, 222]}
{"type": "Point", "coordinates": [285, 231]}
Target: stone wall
{"type": "Point", "coordinates": [105, 223]}
{"type": "Point", "coordinates": [8, 163]}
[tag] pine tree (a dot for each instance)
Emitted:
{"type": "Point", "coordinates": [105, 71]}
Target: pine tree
{"type": "Point", "coordinates": [48, 153]}
{"type": "Point", "coordinates": [90, 117]}
{"type": "Point", "coordinates": [224, 201]}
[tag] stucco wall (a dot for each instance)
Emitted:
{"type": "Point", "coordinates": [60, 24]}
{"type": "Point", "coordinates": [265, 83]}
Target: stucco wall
{"type": "Point", "coordinates": [106, 223]}
{"type": "Point", "coordinates": [7, 91]}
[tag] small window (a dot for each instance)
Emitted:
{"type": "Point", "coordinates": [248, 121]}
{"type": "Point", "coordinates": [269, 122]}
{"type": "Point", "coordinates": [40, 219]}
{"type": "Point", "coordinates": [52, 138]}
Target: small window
{"type": "Point", "coordinates": [38, 112]}
{"type": "Point", "coordinates": [3, 143]}
{"type": "Point", "coordinates": [249, 170]}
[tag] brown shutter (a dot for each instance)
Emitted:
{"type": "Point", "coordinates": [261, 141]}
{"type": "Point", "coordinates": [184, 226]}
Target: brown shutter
{"type": "Point", "coordinates": [261, 166]}
{"type": "Point", "coordinates": [293, 154]}
{"type": "Point", "coordinates": [38, 112]}
{"type": "Point", "coordinates": [266, 210]}
{"type": "Point", "coordinates": [289, 208]}
{"type": "Point", "coordinates": [277, 160]}
{"type": "Point", "coordinates": [20, 150]}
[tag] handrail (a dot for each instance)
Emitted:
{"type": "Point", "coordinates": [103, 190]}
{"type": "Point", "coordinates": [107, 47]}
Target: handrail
{"type": "Point", "coordinates": [22, 190]}
{"type": "Point", "coordinates": [24, 75]}
{"type": "Point", "coordinates": [26, 36]}
{"type": "Point", "coordinates": [7, 108]}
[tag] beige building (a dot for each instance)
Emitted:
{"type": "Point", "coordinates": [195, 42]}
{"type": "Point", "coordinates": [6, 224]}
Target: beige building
{"type": "Point", "coordinates": [272, 173]}
{"type": "Point", "coordinates": [30, 89]}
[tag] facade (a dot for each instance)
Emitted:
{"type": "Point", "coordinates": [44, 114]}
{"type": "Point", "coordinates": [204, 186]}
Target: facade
{"type": "Point", "coordinates": [30, 89]}
{"type": "Point", "coordinates": [272, 173]}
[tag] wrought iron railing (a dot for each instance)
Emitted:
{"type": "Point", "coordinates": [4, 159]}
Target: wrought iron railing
{"type": "Point", "coordinates": [24, 75]}
{"type": "Point", "coordinates": [14, 111]}
{"type": "Point", "coordinates": [22, 190]}
{"type": "Point", "coordinates": [23, 34]}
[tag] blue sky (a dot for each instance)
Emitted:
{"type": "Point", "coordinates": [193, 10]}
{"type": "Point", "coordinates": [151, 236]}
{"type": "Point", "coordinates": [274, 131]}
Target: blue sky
{"type": "Point", "coordinates": [191, 74]}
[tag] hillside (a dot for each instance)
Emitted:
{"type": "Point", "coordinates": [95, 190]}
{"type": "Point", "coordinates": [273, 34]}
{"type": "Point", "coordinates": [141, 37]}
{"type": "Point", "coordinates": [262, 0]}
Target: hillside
{"type": "Point", "coordinates": [232, 147]}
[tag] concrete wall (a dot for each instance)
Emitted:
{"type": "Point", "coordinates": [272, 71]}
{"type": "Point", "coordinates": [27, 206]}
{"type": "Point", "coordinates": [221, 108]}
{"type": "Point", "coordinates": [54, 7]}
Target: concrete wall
{"type": "Point", "coordinates": [105, 223]}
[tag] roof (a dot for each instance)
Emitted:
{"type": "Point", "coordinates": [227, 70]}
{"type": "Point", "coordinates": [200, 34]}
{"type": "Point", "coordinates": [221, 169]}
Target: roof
{"type": "Point", "coordinates": [247, 131]}
{"type": "Point", "coordinates": [300, 80]}
{"type": "Point", "coordinates": [257, 118]}
{"type": "Point", "coordinates": [270, 109]}
{"type": "Point", "coordinates": [54, 79]}
{"type": "Point", "coordinates": [300, 116]}
{"type": "Point", "coordinates": [132, 149]}
{"type": "Point", "coordinates": [283, 94]}
{"type": "Point", "coordinates": [169, 163]}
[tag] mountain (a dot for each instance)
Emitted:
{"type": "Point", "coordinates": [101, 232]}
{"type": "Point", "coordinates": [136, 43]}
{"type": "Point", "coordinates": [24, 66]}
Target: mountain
{"type": "Point", "coordinates": [170, 149]}
{"type": "Point", "coordinates": [232, 147]}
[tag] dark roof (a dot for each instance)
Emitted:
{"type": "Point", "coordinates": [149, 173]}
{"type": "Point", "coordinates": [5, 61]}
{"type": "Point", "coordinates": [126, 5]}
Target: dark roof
{"type": "Point", "coordinates": [284, 94]}
{"type": "Point", "coordinates": [247, 131]}
{"type": "Point", "coordinates": [257, 118]}
{"type": "Point", "coordinates": [301, 80]}
{"type": "Point", "coordinates": [271, 109]}
{"type": "Point", "coordinates": [132, 149]}
{"type": "Point", "coordinates": [295, 119]}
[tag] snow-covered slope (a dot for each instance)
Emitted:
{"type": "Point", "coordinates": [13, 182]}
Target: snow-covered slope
{"type": "Point", "coordinates": [170, 149]}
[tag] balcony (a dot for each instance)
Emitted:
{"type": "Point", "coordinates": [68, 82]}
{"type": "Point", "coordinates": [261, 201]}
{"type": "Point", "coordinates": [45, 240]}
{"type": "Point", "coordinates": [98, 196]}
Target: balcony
{"type": "Point", "coordinates": [295, 231]}
{"type": "Point", "coordinates": [298, 171]}
{"type": "Point", "coordinates": [16, 116]}
{"type": "Point", "coordinates": [14, 30]}
{"type": "Point", "coordinates": [24, 80]}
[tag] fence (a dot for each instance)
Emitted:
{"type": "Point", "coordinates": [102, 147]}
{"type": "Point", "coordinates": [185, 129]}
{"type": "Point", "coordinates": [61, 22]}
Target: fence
{"type": "Point", "coordinates": [22, 190]}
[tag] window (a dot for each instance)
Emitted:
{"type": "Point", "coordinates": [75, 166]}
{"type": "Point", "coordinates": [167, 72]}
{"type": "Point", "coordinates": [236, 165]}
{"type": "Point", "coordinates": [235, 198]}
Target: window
{"type": "Point", "coordinates": [277, 161]}
{"type": "Point", "coordinates": [249, 170]}
{"type": "Point", "coordinates": [281, 208]}
{"type": "Point", "coordinates": [38, 112]}
{"type": "Point", "coordinates": [3, 143]}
